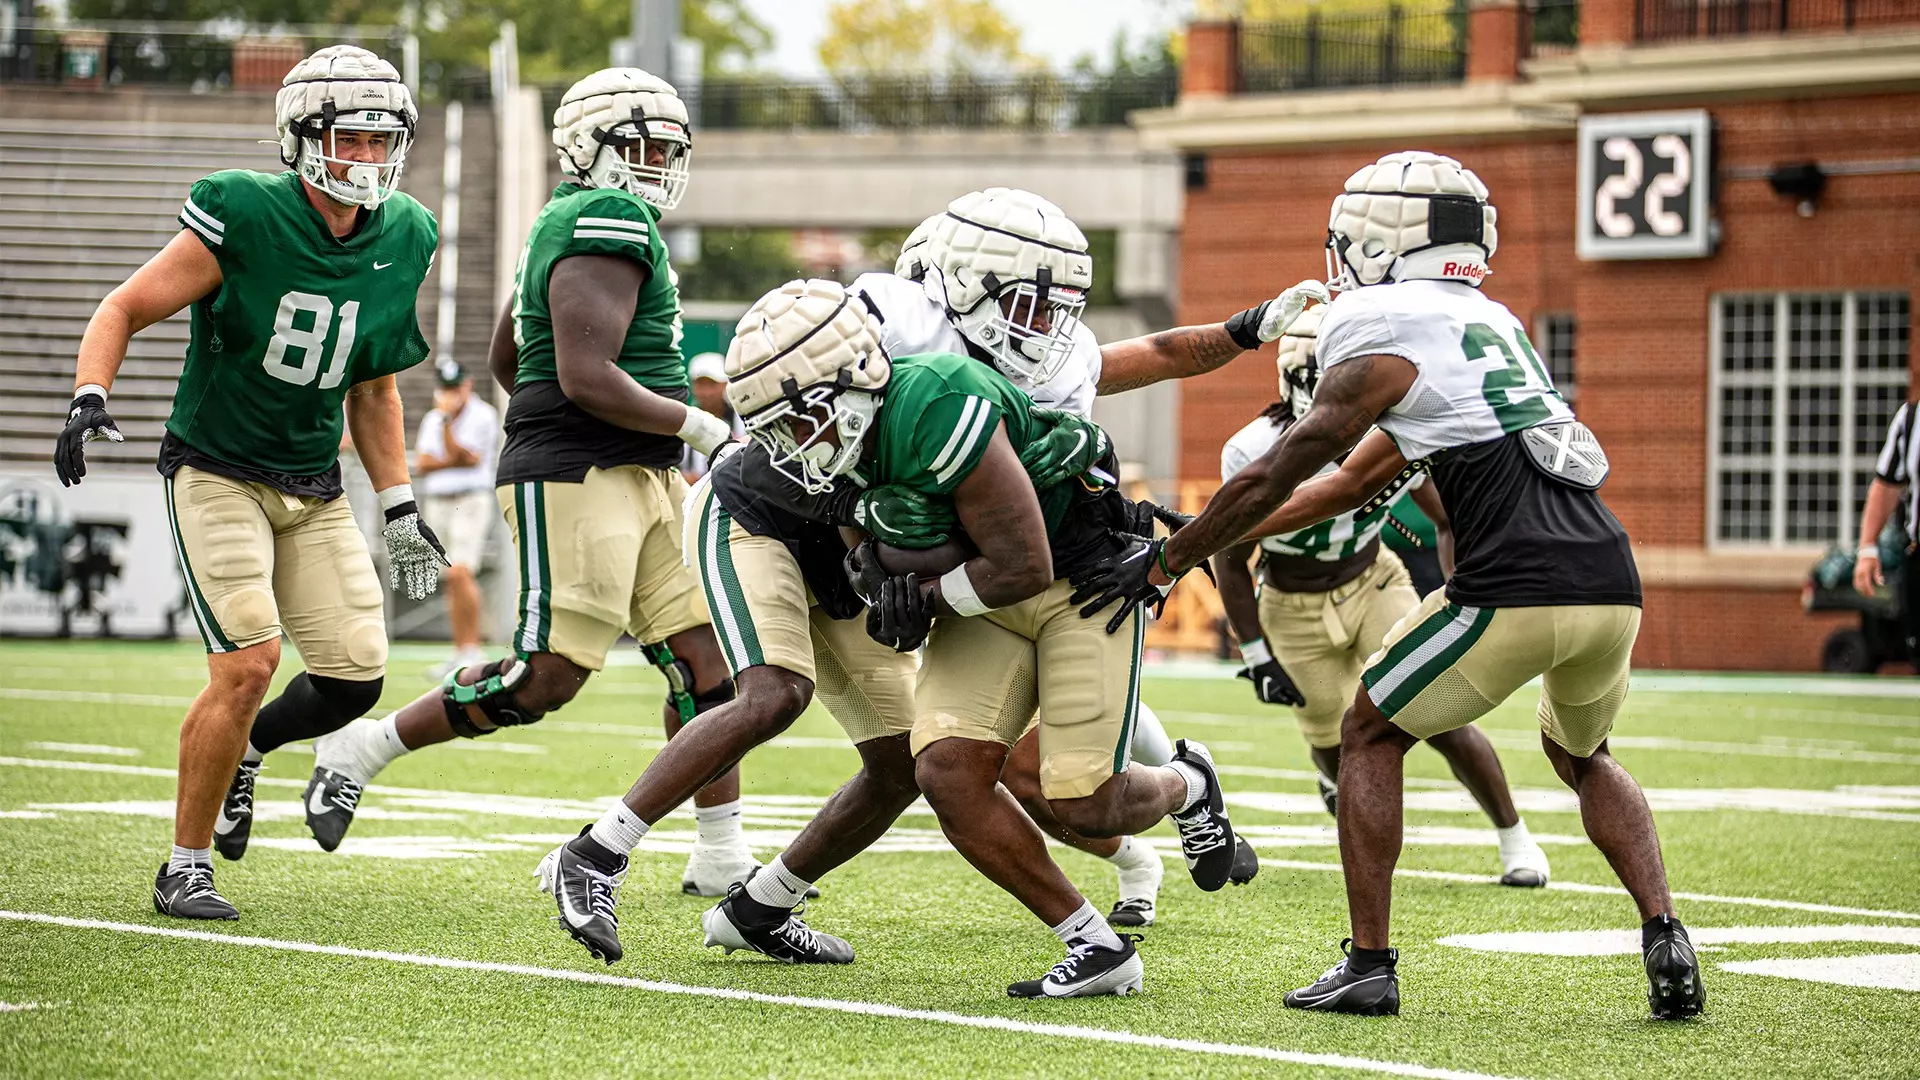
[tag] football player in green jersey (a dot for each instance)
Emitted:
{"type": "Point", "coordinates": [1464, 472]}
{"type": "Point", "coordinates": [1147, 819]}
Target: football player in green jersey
{"type": "Point", "coordinates": [302, 287]}
{"type": "Point", "coordinates": [815, 388]}
{"type": "Point", "coordinates": [588, 477]}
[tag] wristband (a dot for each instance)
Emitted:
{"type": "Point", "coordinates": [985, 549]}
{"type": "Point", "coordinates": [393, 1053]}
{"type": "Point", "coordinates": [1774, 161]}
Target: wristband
{"type": "Point", "coordinates": [1244, 328]}
{"type": "Point", "coordinates": [91, 388]}
{"type": "Point", "coordinates": [956, 588]}
{"type": "Point", "coordinates": [703, 431]}
{"type": "Point", "coordinates": [1255, 652]}
{"type": "Point", "coordinates": [1867, 550]}
{"type": "Point", "coordinates": [395, 496]}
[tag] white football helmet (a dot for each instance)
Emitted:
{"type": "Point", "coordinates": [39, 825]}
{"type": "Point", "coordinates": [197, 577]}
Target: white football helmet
{"type": "Point", "coordinates": [345, 88]}
{"type": "Point", "coordinates": [911, 263]}
{"type": "Point", "coordinates": [608, 123]}
{"type": "Point", "coordinates": [1411, 215]}
{"type": "Point", "coordinates": [1299, 366]}
{"type": "Point", "coordinates": [1013, 272]}
{"type": "Point", "coordinates": [805, 360]}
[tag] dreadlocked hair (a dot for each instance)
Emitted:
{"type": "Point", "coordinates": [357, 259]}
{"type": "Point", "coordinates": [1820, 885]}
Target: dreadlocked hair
{"type": "Point", "coordinates": [1276, 412]}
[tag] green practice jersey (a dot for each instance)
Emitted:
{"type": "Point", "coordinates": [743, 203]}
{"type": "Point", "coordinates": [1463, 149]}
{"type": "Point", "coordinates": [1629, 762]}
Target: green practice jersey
{"type": "Point", "coordinates": [300, 316]}
{"type": "Point", "coordinates": [935, 422]}
{"type": "Point", "coordinates": [601, 221]}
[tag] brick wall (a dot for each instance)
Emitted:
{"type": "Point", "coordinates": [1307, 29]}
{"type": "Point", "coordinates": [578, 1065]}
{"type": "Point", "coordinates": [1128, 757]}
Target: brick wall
{"type": "Point", "coordinates": [1260, 225]}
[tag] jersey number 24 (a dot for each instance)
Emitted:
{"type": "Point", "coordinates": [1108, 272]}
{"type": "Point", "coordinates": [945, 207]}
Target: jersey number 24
{"type": "Point", "coordinates": [1516, 390]}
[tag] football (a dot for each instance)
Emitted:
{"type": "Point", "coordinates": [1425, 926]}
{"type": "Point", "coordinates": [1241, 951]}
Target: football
{"type": "Point", "coordinates": [927, 563]}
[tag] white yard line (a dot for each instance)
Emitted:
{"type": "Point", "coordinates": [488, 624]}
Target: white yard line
{"type": "Point", "coordinates": [84, 748]}
{"type": "Point", "coordinates": [1656, 682]}
{"type": "Point", "coordinates": [91, 697]}
{"type": "Point", "coordinates": [857, 1008]}
{"type": "Point", "coordinates": [1801, 749]}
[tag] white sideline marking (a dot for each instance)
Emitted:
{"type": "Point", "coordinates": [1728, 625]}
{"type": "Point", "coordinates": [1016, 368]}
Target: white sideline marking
{"type": "Point", "coordinates": [1879, 971]}
{"type": "Point", "coordinates": [858, 1008]}
{"type": "Point", "coordinates": [1615, 890]}
{"type": "Point", "coordinates": [84, 748]}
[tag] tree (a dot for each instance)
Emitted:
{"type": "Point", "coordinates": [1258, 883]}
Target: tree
{"type": "Point", "coordinates": [873, 37]}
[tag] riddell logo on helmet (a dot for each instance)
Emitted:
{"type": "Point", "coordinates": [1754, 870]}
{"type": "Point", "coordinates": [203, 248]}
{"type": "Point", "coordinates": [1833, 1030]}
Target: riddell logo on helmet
{"type": "Point", "coordinates": [1457, 269]}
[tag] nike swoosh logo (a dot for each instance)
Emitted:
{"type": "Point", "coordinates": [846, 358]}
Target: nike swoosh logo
{"type": "Point", "coordinates": [381, 265]}
{"type": "Point", "coordinates": [224, 824]}
{"type": "Point", "coordinates": [316, 801]}
{"type": "Point", "coordinates": [574, 917]}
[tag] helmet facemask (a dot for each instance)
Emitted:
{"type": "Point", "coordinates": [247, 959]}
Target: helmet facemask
{"type": "Point", "coordinates": [364, 183]}
{"type": "Point", "coordinates": [795, 431]}
{"type": "Point", "coordinates": [1299, 361]}
{"type": "Point", "coordinates": [623, 161]}
{"type": "Point", "coordinates": [1026, 326]}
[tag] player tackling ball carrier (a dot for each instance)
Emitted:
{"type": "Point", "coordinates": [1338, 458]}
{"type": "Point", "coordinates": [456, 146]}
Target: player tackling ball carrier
{"type": "Point", "coordinates": [1545, 583]}
{"type": "Point", "coordinates": [303, 287]}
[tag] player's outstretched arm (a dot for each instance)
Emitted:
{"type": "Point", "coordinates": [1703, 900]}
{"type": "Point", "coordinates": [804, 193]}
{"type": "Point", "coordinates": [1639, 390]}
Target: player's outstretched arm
{"type": "Point", "coordinates": [1000, 513]}
{"type": "Point", "coordinates": [182, 272]}
{"type": "Point", "coordinates": [1233, 573]}
{"type": "Point", "coordinates": [1428, 500]}
{"type": "Point", "coordinates": [1186, 351]}
{"type": "Point", "coordinates": [1350, 396]}
{"type": "Point", "coordinates": [1374, 464]}
{"type": "Point", "coordinates": [592, 298]}
{"type": "Point", "coordinates": [415, 556]}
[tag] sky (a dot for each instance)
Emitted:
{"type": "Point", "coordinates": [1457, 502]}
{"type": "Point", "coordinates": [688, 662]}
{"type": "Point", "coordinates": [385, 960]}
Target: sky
{"type": "Point", "coordinates": [1058, 30]}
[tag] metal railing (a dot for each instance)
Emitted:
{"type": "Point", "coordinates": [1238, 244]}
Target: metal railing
{"type": "Point", "coordinates": [1387, 47]}
{"type": "Point", "coordinates": [195, 56]}
{"type": "Point", "coordinates": [1039, 102]}
{"type": "Point", "coordinates": [1667, 20]}
{"type": "Point", "coordinates": [1553, 27]}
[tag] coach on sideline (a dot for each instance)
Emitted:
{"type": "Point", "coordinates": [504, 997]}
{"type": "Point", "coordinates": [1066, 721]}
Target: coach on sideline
{"type": "Point", "coordinates": [454, 459]}
{"type": "Point", "coordinates": [1896, 469]}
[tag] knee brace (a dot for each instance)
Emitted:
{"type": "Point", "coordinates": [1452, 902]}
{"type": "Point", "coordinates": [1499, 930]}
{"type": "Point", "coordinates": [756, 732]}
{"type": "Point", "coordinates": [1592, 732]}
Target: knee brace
{"type": "Point", "coordinates": [312, 706]}
{"type": "Point", "coordinates": [679, 675]}
{"type": "Point", "coordinates": [493, 694]}
{"type": "Point", "coordinates": [713, 697]}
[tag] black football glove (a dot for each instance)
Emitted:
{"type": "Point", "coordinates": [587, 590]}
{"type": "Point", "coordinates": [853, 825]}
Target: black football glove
{"type": "Point", "coordinates": [87, 421]}
{"type": "Point", "coordinates": [1123, 577]}
{"type": "Point", "coordinates": [415, 556]}
{"type": "Point", "coordinates": [1272, 684]}
{"type": "Point", "coordinates": [901, 616]}
{"type": "Point", "coordinates": [1146, 512]}
{"type": "Point", "coordinates": [862, 567]}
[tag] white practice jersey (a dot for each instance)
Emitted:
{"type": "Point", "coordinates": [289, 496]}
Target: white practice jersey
{"type": "Point", "coordinates": [1479, 378]}
{"type": "Point", "coordinates": [913, 322]}
{"type": "Point", "coordinates": [1330, 541]}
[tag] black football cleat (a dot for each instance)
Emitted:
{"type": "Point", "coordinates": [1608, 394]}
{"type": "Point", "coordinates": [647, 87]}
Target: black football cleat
{"type": "Point", "coordinates": [1373, 992]}
{"type": "Point", "coordinates": [787, 938]}
{"type": "Point", "coordinates": [1132, 911]}
{"type": "Point", "coordinates": [1673, 971]}
{"type": "Point", "coordinates": [189, 894]}
{"type": "Point", "coordinates": [1329, 796]}
{"type": "Point", "coordinates": [1246, 862]}
{"type": "Point", "coordinates": [1088, 971]}
{"type": "Point", "coordinates": [235, 824]}
{"type": "Point", "coordinates": [331, 800]}
{"type": "Point", "coordinates": [586, 895]}
{"type": "Point", "coordinates": [1206, 836]}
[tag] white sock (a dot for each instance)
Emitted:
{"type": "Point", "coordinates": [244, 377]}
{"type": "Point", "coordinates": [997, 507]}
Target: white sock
{"type": "Point", "coordinates": [1196, 784]}
{"type": "Point", "coordinates": [1151, 746]}
{"type": "Point", "coordinates": [619, 830]}
{"type": "Point", "coordinates": [184, 858]}
{"type": "Point", "coordinates": [1087, 925]}
{"type": "Point", "coordinates": [776, 886]}
{"type": "Point", "coordinates": [252, 756]}
{"type": "Point", "coordinates": [718, 826]}
{"type": "Point", "coordinates": [1134, 854]}
{"type": "Point", "coordinates": [1515, 839]}
{"type": "Point", "coordinates": [388, 746]}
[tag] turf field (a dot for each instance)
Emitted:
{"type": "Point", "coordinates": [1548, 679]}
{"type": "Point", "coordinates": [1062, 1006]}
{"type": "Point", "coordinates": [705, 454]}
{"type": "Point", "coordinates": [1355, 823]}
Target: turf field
{"type": "Point", "coordinates": [1790, 811]}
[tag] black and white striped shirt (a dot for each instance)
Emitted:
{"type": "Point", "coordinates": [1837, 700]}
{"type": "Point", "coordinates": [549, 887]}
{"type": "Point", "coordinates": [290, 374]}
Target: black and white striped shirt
{"type": "Point", "coordinates": [1900, 462]}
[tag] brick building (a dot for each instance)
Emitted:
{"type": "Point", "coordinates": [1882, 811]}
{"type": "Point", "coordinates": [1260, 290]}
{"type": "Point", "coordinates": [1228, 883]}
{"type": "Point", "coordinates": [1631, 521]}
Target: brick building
{"type": "Point", "coordinates": [1740, 394]}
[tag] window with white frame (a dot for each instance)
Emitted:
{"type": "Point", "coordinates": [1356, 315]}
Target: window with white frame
{"type": "Point", "coordinates": [1802, 388]}
{"type": "Point", "coordinates": [1554, 337]}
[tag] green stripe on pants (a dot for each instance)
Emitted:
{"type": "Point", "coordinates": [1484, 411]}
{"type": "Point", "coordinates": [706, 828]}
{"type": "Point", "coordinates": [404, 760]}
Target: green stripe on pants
{"type": "Point", "coordinates": [215, 638]}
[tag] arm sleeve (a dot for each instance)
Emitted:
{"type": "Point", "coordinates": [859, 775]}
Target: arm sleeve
{"type": "Point", "coordinates": [1892, 466]}
{"type": "Point", "coordinates": [1354, 332]}
{"type": "Point", "coordinates": [205, 214]}
{"type": "Point", "coordinates": [953, 431]}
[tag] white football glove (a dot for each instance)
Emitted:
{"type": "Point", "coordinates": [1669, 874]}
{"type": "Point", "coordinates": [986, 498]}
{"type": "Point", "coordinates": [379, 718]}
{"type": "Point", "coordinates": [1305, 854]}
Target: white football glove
{"type": "Point", "coordinates": [1269, 319]}
{"type": "Point", "coordinates": [415, 556]}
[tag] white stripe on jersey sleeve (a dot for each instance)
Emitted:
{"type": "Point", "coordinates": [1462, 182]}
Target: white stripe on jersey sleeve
{"type": "Point", "coordinates": [980, 418]}
{"type": "Point", "coordinates": [1893, 465]}
{"type": "Point", "coordinates": [612, 223]}
{"type": "Point", "coordinates": [959, 431]}
{"type": "Point", "coordinates": [609, 234]}
{"type": "Point", "coordinates": [202, 222]}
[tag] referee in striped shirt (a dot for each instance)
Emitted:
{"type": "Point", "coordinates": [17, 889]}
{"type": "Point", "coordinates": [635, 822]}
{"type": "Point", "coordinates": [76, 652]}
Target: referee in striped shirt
{"type": "Point", "coordinates": [1893, 479]}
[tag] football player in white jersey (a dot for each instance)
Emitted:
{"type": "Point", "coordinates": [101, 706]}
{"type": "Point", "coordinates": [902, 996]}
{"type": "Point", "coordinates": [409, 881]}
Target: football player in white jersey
{"type": "Point", "coordinates": [1331, 592]}
{"type": "Point", "coordinates": [1544, 583]}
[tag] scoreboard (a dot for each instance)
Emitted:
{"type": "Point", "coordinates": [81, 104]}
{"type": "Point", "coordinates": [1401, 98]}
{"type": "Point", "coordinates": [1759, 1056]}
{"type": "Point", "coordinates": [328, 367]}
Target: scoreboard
{"type": "Point", "coordinates": [1644, 183]}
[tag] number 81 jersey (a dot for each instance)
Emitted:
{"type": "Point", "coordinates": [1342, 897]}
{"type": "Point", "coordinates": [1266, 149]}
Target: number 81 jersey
{"type": "Point", "coordinates": [300, 316]}
{"type": "Point", "coordinates": [1479, 378]}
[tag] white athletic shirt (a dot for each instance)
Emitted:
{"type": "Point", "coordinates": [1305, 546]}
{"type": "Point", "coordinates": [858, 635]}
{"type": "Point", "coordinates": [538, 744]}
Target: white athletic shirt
{"type": "Point", "coordinates": [1479, 377]}
{"type": "Point", "coordinates": [477, 428]}
{"type": "Point", "coordinates": [912, 322]}
{"type": "Point", "coordinates": [1330, 541]}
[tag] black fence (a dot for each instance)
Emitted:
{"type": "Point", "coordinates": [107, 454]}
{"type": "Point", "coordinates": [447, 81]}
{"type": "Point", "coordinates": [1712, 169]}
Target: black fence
{"type": "Point", "coordinates": [1553, 27]}
{"type": "Point", "coordinates": [171, 54]}
{"type": "Point", "coordinates": [1666, 20]}
{"type": "Point", "coordinates": [1041, 102]}
{"type": "Point", "coordinates": [1388, 47]}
